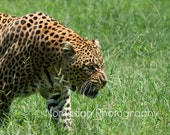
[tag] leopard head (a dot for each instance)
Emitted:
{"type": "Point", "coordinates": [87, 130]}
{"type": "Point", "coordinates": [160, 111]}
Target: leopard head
{"type": "Point", "coordinates": [83, 67]}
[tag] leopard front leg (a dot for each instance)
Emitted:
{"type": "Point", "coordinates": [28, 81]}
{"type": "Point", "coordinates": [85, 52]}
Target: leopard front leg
{"type": "Point", "coordinates": [59, 106]}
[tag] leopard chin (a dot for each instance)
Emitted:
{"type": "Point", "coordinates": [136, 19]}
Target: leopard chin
{"type": "Point", "coordinates": [90, 89]}
{"type": "Point", "coordinates": [92, 94]}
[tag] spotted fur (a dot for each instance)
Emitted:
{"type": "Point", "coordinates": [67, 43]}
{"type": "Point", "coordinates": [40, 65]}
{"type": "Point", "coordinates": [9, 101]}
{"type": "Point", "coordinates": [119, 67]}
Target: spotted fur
{"type": "Point", "coordinates": [38, 54]}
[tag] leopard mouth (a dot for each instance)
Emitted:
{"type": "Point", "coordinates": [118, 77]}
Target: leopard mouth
{"type": "Point", "coordinates": [91, 94]}
{"type": "Point", "coordinates": [89, 89]}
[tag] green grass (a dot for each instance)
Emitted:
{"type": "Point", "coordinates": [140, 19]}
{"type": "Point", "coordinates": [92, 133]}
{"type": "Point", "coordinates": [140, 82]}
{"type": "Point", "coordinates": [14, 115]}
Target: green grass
{"type": "Point", "coordinates": [135, 40]}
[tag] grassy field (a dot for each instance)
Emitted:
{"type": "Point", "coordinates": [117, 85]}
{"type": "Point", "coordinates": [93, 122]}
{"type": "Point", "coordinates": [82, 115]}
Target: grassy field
{"type": "Point", "coordinates": [135, 40]}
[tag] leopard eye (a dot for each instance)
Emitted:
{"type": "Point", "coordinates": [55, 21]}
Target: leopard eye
{"type": "Point", "coordinates": [91, 68]}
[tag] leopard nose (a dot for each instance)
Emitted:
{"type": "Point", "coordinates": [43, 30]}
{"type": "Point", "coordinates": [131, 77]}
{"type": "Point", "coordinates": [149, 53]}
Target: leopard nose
{"type": "Point", "coordinates": [104, 82]}
{"type": "Point", "coordinates": [103, 78]}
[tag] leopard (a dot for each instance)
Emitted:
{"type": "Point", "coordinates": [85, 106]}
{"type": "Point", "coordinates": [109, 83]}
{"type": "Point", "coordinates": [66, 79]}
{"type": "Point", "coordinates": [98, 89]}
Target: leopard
{"type": "Point", "coordinates": [38, 54]}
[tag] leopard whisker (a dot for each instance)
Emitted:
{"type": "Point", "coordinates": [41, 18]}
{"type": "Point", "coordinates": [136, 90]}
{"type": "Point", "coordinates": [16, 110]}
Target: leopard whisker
{"type": "Point", "coordinates": [90, 87]}
{"type": "Point", "coordinates": [84, 88]}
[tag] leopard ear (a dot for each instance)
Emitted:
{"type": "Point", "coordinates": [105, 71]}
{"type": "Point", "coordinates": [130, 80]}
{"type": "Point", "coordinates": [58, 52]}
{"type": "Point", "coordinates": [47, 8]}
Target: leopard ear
{"type": "Point", "coordinates": [96, 42]}
{"type": "Point", "coordinates": [67, 49]}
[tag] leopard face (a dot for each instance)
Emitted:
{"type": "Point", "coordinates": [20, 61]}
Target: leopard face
{"type": "Point", "coordinates": [84, 67]}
